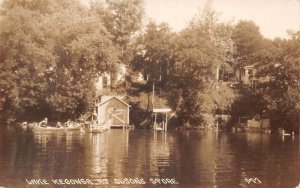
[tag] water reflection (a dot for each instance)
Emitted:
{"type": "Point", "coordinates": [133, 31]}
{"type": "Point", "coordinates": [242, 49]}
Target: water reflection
{"type": "Point", "coordinates": [159, 154]}
{"type": "Point", "coordinates": [53, 154]}
{"type": "Point", "coordinates": [98, 162]}
{"type": "Point", "coordinates": [194, 158]}
{"type": "Point", "coordinates": [120, 154]}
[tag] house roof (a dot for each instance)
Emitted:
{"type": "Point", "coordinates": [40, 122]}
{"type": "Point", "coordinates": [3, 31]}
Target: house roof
{"type": "Point", "coordinates": [105, 99]}
{"type": "Point", "coordinates": [254, 65]}
{"type": "Point", "coordinates": [249, 67]}
{"type": "Point", "coordinates": [161, 110]}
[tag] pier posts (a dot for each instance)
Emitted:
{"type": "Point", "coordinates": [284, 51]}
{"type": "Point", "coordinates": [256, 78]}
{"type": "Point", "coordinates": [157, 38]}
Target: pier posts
{"type": "Point", "coordinates": [166, 124]}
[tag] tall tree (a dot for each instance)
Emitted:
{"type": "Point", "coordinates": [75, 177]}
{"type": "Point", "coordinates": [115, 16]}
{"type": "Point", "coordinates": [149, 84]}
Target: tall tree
{"type": "Point", "coordinates": [199, 50]}
{"type": "Point", "coordinates": [21, 79]}
{"type": "Point", "coordinates": [152, 53]}
{"type": "Point", "coordinates": [280, 96]}
{"type": "Point", "coordinates": [248, 40]}
{"type": "Point", "coordinates": [196, 58]}
{"type": "Point", "coordinates": [152, 56]}
{"type": "Point", "coordinates": [123, 19]}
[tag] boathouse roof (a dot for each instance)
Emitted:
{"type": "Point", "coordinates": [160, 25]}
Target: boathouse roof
{"type": "Point", "coordinates": [105, 99]}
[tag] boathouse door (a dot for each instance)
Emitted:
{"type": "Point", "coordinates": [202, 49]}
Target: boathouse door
{"type": "Point", "coordinates": [113, 111]}
{"type": "Point", "coordinates": [116, 116]}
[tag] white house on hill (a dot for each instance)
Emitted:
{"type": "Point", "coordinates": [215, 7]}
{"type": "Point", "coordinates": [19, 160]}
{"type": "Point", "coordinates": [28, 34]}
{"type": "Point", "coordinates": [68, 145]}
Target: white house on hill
{"type": "Point", "coordinates": [104, 81]}
{"type": "Point", "coordinates": [247, 75]}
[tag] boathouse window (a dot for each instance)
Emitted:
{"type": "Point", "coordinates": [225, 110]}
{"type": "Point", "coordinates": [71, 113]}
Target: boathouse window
{"type": "Point", "coordinates": [104, 81]}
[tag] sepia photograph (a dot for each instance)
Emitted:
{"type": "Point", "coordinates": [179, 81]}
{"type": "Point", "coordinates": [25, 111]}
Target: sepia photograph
{"type": "Point", "coordinates": [150, 93]}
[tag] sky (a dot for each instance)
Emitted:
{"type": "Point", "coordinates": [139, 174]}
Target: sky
{"type": "Point", "coordinates": [274, 17]}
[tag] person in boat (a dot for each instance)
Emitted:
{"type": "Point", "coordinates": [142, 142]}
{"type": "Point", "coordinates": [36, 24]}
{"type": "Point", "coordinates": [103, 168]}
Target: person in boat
{"type": "Point", "coordinates": [68, 123]}
{"type": "Point", "coordinates": [24, 123]}
{"type": "Point", "coordinates": [58, 125]}
{"type": "Point", "coordinates": [43, 123]}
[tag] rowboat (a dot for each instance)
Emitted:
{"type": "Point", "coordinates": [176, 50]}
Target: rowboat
{"type": "Point", "coordinates": [95, 129]}
{"type": "Point", "coordinates": [49, 128]}
{"type": "Point", "coordinates": [158, 129]}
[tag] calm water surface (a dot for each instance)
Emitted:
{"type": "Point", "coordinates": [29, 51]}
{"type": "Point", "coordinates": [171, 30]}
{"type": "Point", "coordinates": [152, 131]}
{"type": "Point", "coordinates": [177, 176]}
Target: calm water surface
{"type": "Point", "coordinates": [194, 159]}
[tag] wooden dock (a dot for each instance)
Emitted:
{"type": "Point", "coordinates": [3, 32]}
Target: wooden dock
{"type": "Point", "coordinates": [120, 126]}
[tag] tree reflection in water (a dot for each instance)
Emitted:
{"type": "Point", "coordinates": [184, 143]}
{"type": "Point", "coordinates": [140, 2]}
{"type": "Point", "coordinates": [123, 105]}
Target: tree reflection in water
{"type": "Point", "coordinates": [193, 158]}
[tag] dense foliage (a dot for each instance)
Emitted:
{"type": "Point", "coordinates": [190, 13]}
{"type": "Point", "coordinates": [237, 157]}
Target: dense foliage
{"type": "Point", "coordinates": [50, 56]}
{"type": "Point", "coordinates": [277, 62]}
{"type": "Point", "coordinates": [51, 51]}
{"type": "Point", "coordinates": [280, 97]}
{"type": "Point", "coordinates": [187, 64]}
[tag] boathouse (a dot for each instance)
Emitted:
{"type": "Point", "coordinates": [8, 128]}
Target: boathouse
{"type": "Point", "coordinates": [162, 124]}
{"type": "Point", "coordinates": [112, 111]}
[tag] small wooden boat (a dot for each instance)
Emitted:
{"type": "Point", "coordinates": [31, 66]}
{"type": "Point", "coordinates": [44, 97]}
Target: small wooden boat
{"type": "Point", "coordinates": [96, 128]}
{"type": "Point", "coordinates": [93, 130]}
{"type": "Point", "coordinates": [284, 133]}
{"type": "Point", "coordinates": [268, 131]}
{"type": "Point", "coordinates": [159, 129]}
{"type": "Point", "coordinates": [49, 128]}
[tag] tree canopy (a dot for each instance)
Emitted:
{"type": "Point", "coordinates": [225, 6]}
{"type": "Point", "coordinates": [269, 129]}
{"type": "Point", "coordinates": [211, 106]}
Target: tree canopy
{"type": "Point", "coordinates": [153, 52]}
{"type": "Point", "coordinates": [198, 51]}
{"type": "Point", "coordinates": [51, 51]}
{"type": "Point", "coordinates": [280, 96]}
{"type": "Point", "coordinates": [50, 56]}
{"type": "Point", "coordinates": [123, 19]}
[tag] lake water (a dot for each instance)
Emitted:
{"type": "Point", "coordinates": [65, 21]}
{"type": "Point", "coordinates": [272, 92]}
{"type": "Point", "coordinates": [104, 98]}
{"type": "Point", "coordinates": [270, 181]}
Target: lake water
{"type": "Point", "coordinates": [149, 159]}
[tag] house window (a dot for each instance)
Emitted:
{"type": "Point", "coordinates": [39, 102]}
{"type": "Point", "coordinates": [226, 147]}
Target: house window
{"type": "Point", "coordinates": [104, 81]}
{"type": "Point", "coordinates": [250, 72]}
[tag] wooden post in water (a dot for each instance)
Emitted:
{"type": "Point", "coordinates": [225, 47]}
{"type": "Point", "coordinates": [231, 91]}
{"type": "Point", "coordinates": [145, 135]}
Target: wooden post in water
{"type": "Point", "coordinates": [166, 125]}
{"type": "Point", "coordinates": [153, 94]}
{"type": "Point", "coordinates": [155, 115]}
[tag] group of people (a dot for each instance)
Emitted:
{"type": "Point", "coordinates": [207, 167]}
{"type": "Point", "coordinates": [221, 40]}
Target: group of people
{"type": "Point", "coordinates": [67, 124]}
{"type": "Point", "coordinates": [59, 124]}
